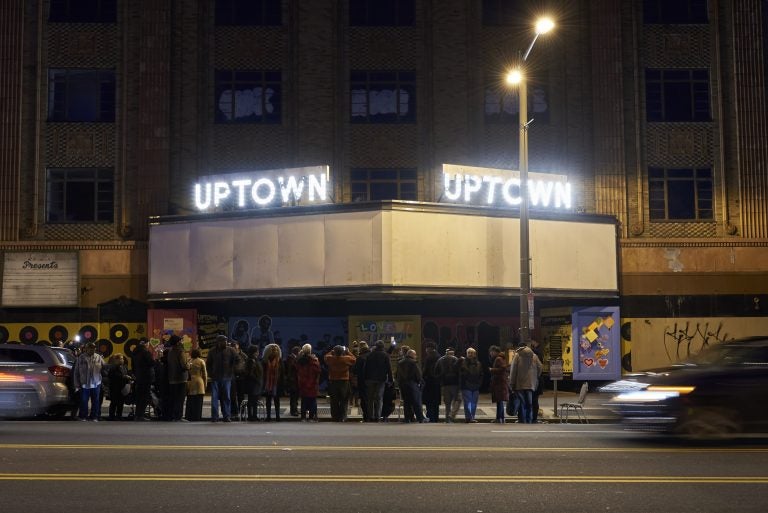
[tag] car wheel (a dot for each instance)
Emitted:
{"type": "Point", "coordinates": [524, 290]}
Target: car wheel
{"type": "Point", "coordinates": [710, 424]}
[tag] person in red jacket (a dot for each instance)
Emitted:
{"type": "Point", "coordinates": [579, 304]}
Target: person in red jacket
{"type": "Point", "coordinates": [308, 373]}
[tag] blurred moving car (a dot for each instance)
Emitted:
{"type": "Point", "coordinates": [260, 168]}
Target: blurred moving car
{"type": "Point", "coordinates": [34, 380]}
{"type": "Point", "coordinates": [719, 393]}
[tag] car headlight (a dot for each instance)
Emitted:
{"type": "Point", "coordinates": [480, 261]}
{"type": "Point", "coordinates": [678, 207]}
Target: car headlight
{"type": "Point", "coordinates": [653, 393]}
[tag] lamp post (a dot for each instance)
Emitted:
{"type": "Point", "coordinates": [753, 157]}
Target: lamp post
{"type": "Point", "coordinates": [543, 26]}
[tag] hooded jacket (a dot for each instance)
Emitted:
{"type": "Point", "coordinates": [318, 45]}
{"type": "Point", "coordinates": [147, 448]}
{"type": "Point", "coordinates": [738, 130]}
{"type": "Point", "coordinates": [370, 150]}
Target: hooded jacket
{"type": "Point", "coordinates": [525, 370]}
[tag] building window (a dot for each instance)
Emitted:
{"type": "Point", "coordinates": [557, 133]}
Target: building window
{"type": "Point", "coordinates": [81, 95]}
{"type": "Point", "coordinates": [372, 184]}
{"type": "Point", "coordinates": [80, 195]}
{"type": "Point", "coordinates": [677, 95]}
{"type": "Point", "coordinates": [675, 11]}
{"type": "Point", "coordinates": [248, 96]}
{"type": "Point", "coordinates": [383, 96]}
{"type": "Point", "coordinates": [501, 13]}
{"type": "Point", "coordinates": [502, 105]}
{"type": "Point", "coordinates": [83, 11]}
{"type": "Point", "coordinates": [249, 12]}
{"type": "Point", "coordinates": [381, 13]}
{"type": "Point", "coordinates": [680, 194]}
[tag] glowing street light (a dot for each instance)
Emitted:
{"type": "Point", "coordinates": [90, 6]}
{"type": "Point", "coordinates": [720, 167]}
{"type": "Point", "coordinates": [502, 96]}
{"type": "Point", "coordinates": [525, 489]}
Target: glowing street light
{"type": "Point", "coordinates": [517, 77]}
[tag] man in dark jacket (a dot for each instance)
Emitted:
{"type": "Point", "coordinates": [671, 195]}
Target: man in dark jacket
{"type": "Point", "coordinates": [471, 378]}
{"type": "Point", "coordinates": [359, 370]}
{"type": "Point", "coordinates": [409, 380]}
{"type": "Point", "coordinates": [447, 370]}
{"type": "Point", "coordinates": [143, 367]}
{"type": "Point", "coordinates": [378, 372]}
{"type": "Point", "coordinates": [177, 368]}
{"type": "Point", "coordinates": [431, 392]}
{"type": "Point", "coordinates": [221, 363]}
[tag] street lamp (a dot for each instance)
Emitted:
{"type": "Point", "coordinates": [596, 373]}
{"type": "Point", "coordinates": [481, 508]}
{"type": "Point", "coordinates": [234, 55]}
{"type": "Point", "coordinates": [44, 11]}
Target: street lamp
{"type": "Point", "coordinates": [516, 76]}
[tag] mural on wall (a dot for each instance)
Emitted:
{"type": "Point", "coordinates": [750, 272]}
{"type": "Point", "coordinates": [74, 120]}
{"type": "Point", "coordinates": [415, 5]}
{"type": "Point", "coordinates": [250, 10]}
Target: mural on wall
{"type": "Point", "coordinates": [110, 337]}
{"type": "Point", "coordinates": [321, 332]}
{"type": "Point", "coordinates": [404, 329]}
{"type": "Point", "coordinates": [164, 323]}
{"type": "Point", "coordinates": [463, 332]}
{"type": "Point", "coordinates": [596, 331]}
{"type": "Point", "coordinates": [657, 342]}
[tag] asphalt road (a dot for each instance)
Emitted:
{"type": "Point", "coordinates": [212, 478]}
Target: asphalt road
{"type": "Point", "coordinates": [326, 467]}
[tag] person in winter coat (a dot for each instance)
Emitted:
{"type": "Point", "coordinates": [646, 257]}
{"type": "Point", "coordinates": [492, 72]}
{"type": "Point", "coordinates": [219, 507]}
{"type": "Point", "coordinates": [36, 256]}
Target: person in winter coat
{"type": "Point", "coordinates": [470, 378]}
{"type": "Point", "coordinates": [499, 381]}
{"type": "Point", "coordinates": [524, 379]}
{"type": "Point", "coordinates": [253, 382]}
{"type": "Point", "coordinates": [118, 378]}
{"type": "Point", "coordinates": [359, 370]}
{"type": "Point", "coordinates": [143, 367]}
{"type": "Point", "coordinates": [272, 364]}
{"type": "Point", "coordinates": [308, 376]}
{"type": "Point", "coordinates": [198, 378]}
{"type": "Point", "coordinates": [431, 392]}
{"type": "Point", "coordinates": [87, 381]}
{"type": "Point", "coordinates": [339, 361]}
{"type": "Point", "coordinates": [447, 370]}
{"type": "Point", "coordinates": [221, 363]}
{"type": "Point", "coordinates": [378, 372]}
{"type": "Point", "coordinates": [177, 368]}
{"type": "Point", "coordinates": [292, 381]}
{"type": "Point", "coordinates": [409, 380]}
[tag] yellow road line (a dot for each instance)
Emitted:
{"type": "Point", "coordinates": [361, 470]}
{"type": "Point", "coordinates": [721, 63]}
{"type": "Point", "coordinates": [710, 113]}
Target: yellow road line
{"type": "Point", "coordinates": [356, 479]}
{"type": "Point", "coordinates": [328, 448]}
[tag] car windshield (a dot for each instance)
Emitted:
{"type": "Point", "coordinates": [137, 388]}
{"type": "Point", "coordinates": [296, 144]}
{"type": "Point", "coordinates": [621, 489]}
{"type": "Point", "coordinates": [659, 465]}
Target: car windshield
{"type": "Point", "coordinates": [730, 354]}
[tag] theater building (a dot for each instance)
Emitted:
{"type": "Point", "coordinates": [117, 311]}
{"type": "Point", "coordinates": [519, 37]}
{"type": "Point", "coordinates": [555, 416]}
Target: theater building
{"type": "Point", "coordinates": [346, 170]}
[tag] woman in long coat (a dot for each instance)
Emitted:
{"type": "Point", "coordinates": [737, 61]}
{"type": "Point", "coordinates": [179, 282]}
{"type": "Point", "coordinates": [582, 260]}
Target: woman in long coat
{"type": "Point", "coordinates": [308, 374]}
{"type": "Point", "coordinates": [499, 382]}
{"type": "Point", "coordinates": [274, 378]}
{"type": "Point", "coordinates": [198, 378]}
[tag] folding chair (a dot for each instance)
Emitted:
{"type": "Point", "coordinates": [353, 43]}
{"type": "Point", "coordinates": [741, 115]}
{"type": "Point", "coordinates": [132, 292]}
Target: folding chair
{"type": "Point", "coordinates": [577, 407]}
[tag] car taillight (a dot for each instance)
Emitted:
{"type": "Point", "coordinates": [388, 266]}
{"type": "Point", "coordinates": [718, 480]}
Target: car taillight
{"type": "Point", "coordinates": [59, 371]}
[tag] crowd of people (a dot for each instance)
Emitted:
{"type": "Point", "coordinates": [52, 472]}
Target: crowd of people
{"type": "Point", "coordinates": [167, 383]}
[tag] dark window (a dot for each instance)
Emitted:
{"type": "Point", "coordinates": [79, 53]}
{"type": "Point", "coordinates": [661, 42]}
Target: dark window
{"type": "Point", "coordinates": [81, 95]}
{"type": "Point", "coordinates": [502, 12]}
{"type": "Point", "coordinates": [675, 11]}
{"type": "Point", "coordinates": [249, 12]}
{"type": "Point", "coordinates": [372, 184]}
{"type": "Point", "coordinates": [20, 356]}
{"type": "Point", "coordinates": [680, 194]}
{"type": "Point", "coordinates": [248, 96]}
{"type": "Point", "coordinates": [502, 104]}
{"type": "Point", "coordinates": [84, 11]}
{"type": "Point", "coordinates": [80, 195]}
{"type": "Point", "coordinates": [381, 13]}
{"type": "Point", "coordinates": [677, 95]}
{"type": "Point", "coordinates": [383, 96]}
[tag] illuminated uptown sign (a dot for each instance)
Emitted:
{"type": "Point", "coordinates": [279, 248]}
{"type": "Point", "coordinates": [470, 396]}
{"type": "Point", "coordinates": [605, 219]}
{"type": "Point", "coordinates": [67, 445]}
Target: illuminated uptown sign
{"type": "Point", "coordinates": [488, 186]}
{"type": "Point", "coordinates": [263, 188]}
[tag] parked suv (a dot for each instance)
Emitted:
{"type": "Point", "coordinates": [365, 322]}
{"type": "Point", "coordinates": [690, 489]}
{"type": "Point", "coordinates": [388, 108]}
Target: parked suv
{"type": "Point", "coordinates": [33, 380]}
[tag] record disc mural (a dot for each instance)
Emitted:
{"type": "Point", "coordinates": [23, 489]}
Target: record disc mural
{"type": "Point", "coordinates": [28, 335]}
{"type": "Point", "coordinates": [58, 333]}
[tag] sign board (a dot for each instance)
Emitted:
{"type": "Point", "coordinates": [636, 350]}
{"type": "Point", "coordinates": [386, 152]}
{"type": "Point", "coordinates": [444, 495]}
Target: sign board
{"type": "Point", "coordinates": [555, 369]}
{"type": "Point", "coordinates": [255, 189]}
{"type": "Point", "coordinates": [41, 279]}
{"type": "Point", "coordinates": [490, 186]}
{"type": "Point", "coordinates": [597, 343]}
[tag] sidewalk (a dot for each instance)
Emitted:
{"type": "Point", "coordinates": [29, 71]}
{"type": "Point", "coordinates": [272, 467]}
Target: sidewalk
{"type": "Point", "coordinates": [594, 409]}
